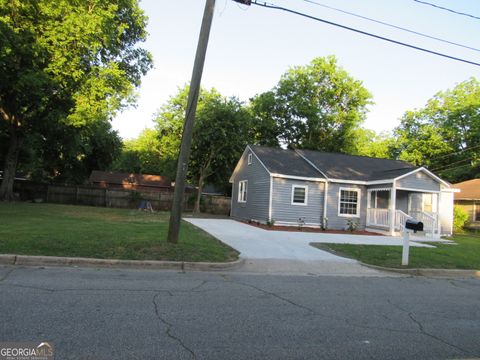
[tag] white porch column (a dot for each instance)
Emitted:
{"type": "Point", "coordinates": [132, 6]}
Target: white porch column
{"type": "Point", "coordinates": [391, 205]}
{"type": "Point", "coordinates": [437, 215]}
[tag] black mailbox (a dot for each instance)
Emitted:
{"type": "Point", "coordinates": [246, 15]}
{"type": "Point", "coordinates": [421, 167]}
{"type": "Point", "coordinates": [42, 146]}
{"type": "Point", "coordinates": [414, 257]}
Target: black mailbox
{"type": "Point", "coordinates": [414, 225]}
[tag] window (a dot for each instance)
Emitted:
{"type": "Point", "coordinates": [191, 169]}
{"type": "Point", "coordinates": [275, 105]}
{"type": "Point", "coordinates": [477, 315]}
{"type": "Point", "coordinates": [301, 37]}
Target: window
{"type": "Point", "coordinates": [242, 191]}
{"type": "Point", "coordinates": [429, 203]}
{"type": "Point", "coordinates": [349, 202]}
{"type": "Point", "coordinates": [299, 195]}
{"type": "Point", "coordinates": [249, 161]}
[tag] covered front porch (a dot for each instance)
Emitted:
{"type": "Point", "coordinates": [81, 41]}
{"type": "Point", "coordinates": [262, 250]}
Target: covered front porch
{"type": "Point", "coordinates": [388, 208]}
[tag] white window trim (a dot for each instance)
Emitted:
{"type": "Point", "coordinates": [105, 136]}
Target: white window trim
{"type": "Point", "coordinates": [305, 203]}
{"type": "Point", "coordinates": [239, 196]}
{"type": "Point", "coordinates": [359, 198]}
{"type": "Point", "coordinates": [249, 159]}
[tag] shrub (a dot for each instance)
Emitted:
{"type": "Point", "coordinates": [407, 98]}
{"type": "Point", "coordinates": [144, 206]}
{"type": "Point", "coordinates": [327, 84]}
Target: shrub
{"type": "Point", "coordinates": [301, 223]}
{"type": "Point", "coordinates": [460, 218]}
{"type": "Point", "coordinates": [352, 225]}
{"type": "Point", "coordinates": [270, 222]}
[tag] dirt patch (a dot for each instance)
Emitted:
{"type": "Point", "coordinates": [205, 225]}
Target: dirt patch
{"type": "Point", "coordinates": [309, 229]}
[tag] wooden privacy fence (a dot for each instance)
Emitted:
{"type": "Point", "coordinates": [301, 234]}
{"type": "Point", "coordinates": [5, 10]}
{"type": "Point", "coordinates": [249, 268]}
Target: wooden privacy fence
{"type": "Point", "coordinates": [116, 198]}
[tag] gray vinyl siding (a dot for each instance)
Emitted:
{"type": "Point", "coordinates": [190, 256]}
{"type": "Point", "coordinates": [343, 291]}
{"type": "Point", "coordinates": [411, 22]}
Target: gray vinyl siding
{"type": "Point", "coordinates": [420, 181]}
{"type": "Point", "coordinates": [284, 211]}
{"type": "Point", "coordinates": [258, 191]}
{"type": "Point", "coordinates": [340, 222]}
{"type": "Point", "coordinates": [401, 202]}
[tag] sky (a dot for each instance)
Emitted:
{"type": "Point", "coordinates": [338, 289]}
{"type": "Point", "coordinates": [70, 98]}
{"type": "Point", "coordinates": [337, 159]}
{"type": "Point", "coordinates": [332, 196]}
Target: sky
{"type": "Point", "coordinates": [251, 47]}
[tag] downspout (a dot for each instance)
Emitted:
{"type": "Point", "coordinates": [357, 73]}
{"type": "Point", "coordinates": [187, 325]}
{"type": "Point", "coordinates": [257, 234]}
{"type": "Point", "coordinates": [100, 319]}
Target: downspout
{"type": "Point", "coordinates": [270, 199]}
{"type": "Point", "coordinates": [325, 205]}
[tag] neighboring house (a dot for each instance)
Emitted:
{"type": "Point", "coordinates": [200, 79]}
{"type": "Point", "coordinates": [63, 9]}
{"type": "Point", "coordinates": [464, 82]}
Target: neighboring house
{"type": "Point", "coordinates": [115, 180]}
{"type": "Point", "coordinates": [469, 199]}
{"type": "Point", "coordinates": [328, 189]}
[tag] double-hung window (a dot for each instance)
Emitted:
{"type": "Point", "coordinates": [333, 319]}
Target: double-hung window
{"type": "Point", "coordinates": [242, 191]}
{"type": "Point", "coordinates": [299, 194]}
{"type": "Point", "coordinates": [349, 202]}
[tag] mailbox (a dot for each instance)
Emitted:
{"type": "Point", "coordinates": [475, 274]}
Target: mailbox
{"type": "Point", "coordinates": [414, 225]}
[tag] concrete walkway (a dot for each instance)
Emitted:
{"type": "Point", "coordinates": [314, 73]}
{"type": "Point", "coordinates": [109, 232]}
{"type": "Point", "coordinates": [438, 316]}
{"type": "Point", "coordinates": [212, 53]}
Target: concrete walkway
{"type": "Point", "coordinates": [289, 252]}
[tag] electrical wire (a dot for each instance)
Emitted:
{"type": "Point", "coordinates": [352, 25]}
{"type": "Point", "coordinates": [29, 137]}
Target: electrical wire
{"type": "Point", "coordinates": [456, 162]}
{"type": "Point", "coordinates": [275, 7]}
{"type": "Point", "coordinates": [454, 167]}
{"type": "Point", "coordinates": [456, 152]}
{"type": "Point", "coordinates": [391, 25]}
{"type": "Point", "coordinates": [447, 9]}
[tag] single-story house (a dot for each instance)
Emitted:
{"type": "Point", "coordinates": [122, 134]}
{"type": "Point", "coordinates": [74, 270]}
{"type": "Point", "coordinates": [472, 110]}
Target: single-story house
{"type": "Point", "coordinates": [140, 182]}
{"type": "Point", "coordinates": [469, 199]}
{"type": "Point", "coordinates": [319, 189]}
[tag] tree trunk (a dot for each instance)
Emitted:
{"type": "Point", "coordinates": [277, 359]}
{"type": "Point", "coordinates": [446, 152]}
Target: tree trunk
{"type": "Point", "coordinates": [10, 168]}
{"type": "Point", "coordinates": [196, 209]}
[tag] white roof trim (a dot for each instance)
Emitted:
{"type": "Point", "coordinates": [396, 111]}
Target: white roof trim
{"type": "Point", "coordinates": [419, 190]}
{"type": "Point", "coordinates": [452, 190]}
{"type": "Point", "coordinates": [341, 181]}
{"type": "Point", "coordinates": [293, 177]}
{"type": "Point", "coordinates": [360, 182]}
{"type": "Point", "coordinates": [238, 163]}
{"type": "Point", "coordinates": [311, 164]}
{"type": "Point", "coordinates": [428, 172]}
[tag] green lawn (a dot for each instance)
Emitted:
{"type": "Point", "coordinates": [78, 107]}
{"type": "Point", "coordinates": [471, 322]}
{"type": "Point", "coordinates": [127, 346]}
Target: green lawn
{"type": "Point", "coordinates": [81, 231]}
{"type": "Point", "coordinates": [464, 255]}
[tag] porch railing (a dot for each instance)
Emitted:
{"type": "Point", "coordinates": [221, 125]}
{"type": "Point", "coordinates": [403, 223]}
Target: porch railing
{"type": "Point", "coordinates": [378, 217]}
{"type": "Point", "coordinates": [401, 219]}
{"type": "Point", "coordinates": [381, 218]}
{"type": "Point", "coordinates": [429, 220]}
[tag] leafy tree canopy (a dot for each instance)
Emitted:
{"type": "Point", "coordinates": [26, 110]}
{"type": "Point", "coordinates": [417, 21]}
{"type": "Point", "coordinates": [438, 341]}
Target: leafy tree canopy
{"type": "Point", "coordinates": [445, 134]}
{"type": "Point", "coordinates": [222, 130]}
{"type": "Point", "coordinates": [317, 106]}
{"type": "Point", "coordinates": [66, 63]}
{"type": "Point", "coordinates": [369, 143]}
{"type": "Point", "coordinates": [143, 155]}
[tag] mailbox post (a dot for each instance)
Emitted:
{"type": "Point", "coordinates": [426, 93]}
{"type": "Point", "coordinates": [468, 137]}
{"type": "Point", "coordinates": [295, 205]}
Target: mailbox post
{"type": "Point", "coordinates": [406, 247]}
{"type": "Point", "coordinates": [414, 225]}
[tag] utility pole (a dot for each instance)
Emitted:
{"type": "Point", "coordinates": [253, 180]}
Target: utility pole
{"type": "Point", "coordinates": [182, 166]}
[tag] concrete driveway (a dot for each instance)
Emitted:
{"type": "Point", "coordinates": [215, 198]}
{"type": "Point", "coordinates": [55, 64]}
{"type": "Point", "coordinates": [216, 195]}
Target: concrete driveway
{"type": "Point", "coordinates": [289, 252]}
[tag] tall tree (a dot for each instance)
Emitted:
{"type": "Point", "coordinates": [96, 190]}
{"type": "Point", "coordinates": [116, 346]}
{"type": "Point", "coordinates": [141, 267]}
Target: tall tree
{"type": "Point", "coordinates": [369, 143]}
{"type": "Point", "coordinates": [145, 155]}
{"type": "Point", "coordinates": [222, 130]}
{"type": "Point", "coordinates": [445, 134]}
{"type": "Point", "coordinates": [317, 106]}
{"type": "Point", "coordinates": [65, 63]}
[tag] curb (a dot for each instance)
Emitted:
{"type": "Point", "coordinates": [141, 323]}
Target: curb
{"type": "Point", "coordinates": [444, 273]}
{"type": "Point", "coordinates": [110, 263]}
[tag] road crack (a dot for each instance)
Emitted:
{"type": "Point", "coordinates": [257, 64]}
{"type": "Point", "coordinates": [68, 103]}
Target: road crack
{"type": "Point", "coordinates": [7, 274]}
{"type": "Point", "coordinates": [423, 331]}
{"type": "Point", "coordinates": [169, 327]}
{"type": "Point", "coordinates": [277, 296]}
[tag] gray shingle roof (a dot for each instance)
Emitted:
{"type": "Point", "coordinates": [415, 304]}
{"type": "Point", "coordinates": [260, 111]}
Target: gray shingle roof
{"type": "Point", "coordinates": [285, 162]}
{"type": "Point", "coordinates": [334, 165]}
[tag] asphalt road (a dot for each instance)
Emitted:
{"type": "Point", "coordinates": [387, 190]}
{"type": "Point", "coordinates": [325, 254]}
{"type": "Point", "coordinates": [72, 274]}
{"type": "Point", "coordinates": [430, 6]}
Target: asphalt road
{"type": "Point", "coordinates": [131, 314]}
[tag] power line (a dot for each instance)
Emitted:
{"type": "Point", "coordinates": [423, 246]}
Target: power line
{"type": "Point", "coordinates": [456, 162]}
{"type": "Point", "coordinates": [391, 25]}
{"type": "Point", "coordinates": [456, 152]}
{"type": "Point", "coordinates": [454, 167]}
{"type": "Point", "coordinates": [447, 9]}
{"type": "Point", "coordinates": [275, 7]}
